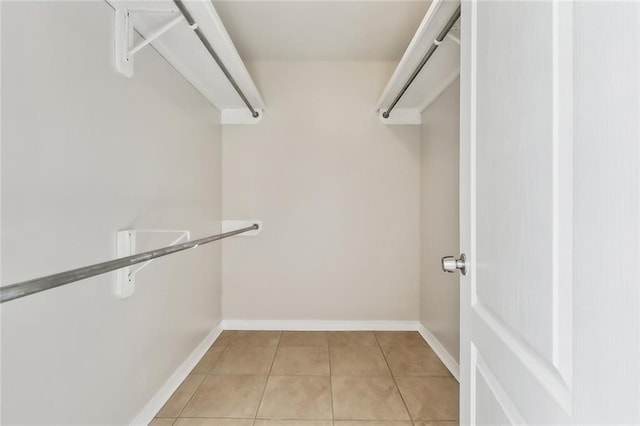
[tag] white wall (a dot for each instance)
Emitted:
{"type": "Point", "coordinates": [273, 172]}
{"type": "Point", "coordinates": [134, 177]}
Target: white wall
{"type": "Point", "coordinates": [86, 152]}
{"type": "Point", "coordinates": [338, 192]}
{"type": "Point", "coordinates": [440, 215]}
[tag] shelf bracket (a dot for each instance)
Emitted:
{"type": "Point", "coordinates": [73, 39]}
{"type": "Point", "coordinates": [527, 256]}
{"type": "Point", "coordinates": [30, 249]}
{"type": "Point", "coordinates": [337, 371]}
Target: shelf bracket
{"type": "Point", "coordinates": [126, 246]}
{"type": "Point", "coordinates": [124, 36]}
{"type": "Point", "coordinates": [454, 38]}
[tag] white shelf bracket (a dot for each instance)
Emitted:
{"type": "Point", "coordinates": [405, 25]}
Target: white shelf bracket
{"type": "Point", "coordinates": [454, 38]}
{"type": "Point", "coordinates": [126, 246]}
{"type": "Point", "coordinates": [124, 36]}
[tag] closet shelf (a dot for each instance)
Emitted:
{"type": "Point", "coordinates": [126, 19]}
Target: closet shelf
{"type": "Point", "coordinates": [439, 72]}
{"type": "Point", "coordinates": [161, 24]}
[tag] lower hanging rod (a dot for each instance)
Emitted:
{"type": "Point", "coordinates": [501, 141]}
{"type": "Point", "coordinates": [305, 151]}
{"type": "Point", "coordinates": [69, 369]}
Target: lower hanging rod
{"type": "Point", "coordinates": [26, 288]}
{"type": "Point", "coordinates": [196, 29]}
{"type": "Point", "coordinates": [437, 42]}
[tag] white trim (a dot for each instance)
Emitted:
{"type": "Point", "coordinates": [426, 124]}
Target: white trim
{"type": "Point", "coordinates": [147, 414]}
{"type": "Point", "coordinates": [444, 355]}
{"type": "Point", "coordinates": [468, 65]}
{"type": "Point", "coordinates": [319, 325]}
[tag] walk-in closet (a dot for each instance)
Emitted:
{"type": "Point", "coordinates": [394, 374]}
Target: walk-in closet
{"type": "Point", "coordinates": [319, 212]}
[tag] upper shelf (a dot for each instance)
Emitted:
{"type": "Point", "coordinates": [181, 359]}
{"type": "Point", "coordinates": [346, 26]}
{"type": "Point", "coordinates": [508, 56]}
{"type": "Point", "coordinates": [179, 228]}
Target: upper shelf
{"type": "Point", "coordinates": [180, 46]}
{"type": "Point", "coordinates": [439, 72]}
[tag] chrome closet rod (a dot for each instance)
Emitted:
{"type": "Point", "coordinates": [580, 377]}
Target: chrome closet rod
{"type": "Point", "coordinates": [26, 288]}
{"type": "Point", "coordinates": [196, 28]}
{"type": "Point", "coordinates": [425, 59]}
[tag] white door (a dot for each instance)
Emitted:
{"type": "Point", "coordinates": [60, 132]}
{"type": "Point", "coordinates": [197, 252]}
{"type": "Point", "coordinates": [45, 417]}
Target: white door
{"type": "Point", "coordinates": [516, 212]}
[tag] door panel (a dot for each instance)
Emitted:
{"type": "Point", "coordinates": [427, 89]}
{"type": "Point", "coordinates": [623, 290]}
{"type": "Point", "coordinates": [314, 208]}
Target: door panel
{"type": "Point", "coordinates": [513, 168]}
{"type": "Point", "coordinates": [516, 145]}
{"type": "Point", "coordinates": [534, 388]}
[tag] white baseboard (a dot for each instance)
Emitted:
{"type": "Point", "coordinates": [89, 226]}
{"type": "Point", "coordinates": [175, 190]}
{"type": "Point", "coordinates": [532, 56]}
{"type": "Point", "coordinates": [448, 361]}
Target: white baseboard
{"type": "Point", "coordinates": [444, 355]}
{"type": "Point", "coordinates": [319, 325]}
{"type": "Point", "coordinates": [149, 411]}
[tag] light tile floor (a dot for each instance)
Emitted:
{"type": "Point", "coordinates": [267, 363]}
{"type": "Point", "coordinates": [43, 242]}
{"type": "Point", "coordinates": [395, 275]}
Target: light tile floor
{"type": "Point", "coordinates": [351, 378]}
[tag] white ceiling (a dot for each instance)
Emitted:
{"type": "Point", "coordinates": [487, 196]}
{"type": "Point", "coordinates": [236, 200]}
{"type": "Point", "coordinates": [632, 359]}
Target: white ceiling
{"type": "Point", "coordinates": [373, 30]}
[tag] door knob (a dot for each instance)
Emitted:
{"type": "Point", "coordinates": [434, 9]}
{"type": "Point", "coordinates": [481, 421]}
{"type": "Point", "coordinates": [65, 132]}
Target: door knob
{"type": "Point", "coordinates": [451, 264]}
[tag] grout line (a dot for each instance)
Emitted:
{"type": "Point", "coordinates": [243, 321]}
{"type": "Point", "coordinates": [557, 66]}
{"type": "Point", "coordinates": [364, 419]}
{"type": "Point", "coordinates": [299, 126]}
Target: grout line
{"type": "Point", "coordinates": [266, 382]}
{"type": "Point", "coordinates": [191, 397]}
{"type": "Point", "coordinates": [205, 376]}
{"type": "Point", "coordinates": [393, 377]}
{"type": "Point", "coordinates": [224, 349]}
{"type": "Point", "coordinates": [269, 374]}
{"type": "Point", "coordinates": [291, 419]}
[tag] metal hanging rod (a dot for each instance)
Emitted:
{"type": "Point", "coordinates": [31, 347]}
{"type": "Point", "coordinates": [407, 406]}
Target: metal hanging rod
{"type": "Point", "coordinates": [196, 29]}
{"type": "Point", "coordinates": [437, 42]}
{"type": "Point", "coordinates": [26, 288]}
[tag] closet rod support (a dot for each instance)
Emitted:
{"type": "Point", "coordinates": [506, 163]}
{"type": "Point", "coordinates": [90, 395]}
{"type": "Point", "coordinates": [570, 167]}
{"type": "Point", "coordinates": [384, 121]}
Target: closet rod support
{"type": "Point", "coordinates": [155, 35]}
{"type": "Point", "coordinates": [455, 39]}
{"type": "Point", "coordinates": [124, 35]}
{"type": "Point", "coordinates": [194, 26]}
{"type": "Point", "coordinates": [29, 287]}
{"type": "Point", "coordinates": [438, 41]}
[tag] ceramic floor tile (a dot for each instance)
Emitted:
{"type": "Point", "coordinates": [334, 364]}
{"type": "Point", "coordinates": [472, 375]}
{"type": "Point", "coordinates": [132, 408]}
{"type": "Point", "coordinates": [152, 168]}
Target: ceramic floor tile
{"type": "Point", "coordinates": [208, 360]}
{"type": "Point", "coordinates": [414, 361]}
{"type": "Point", "coordinates": [367, 398]}
{"type": "Point", "coordinates": [352, 338]}
{"type": "Point", "coordinates": [256, 338]}
{"type": "Point", "coordinates": [245, 360]}
{"type": "Point", "coordinates": [300, 389]}
{"type": "Point", "coordinates": [304, 338]}
{"type": "Point", "coordinates": [400, 338]}
{"type": "Point", "coordinates": [370, 423]}
{"type": "Point", "coordinates": [226, 396]}
{"type": "Point", "coordinates": [260, 422]}
{"type": "Point", "coordinates": [358, 361]}
{"type": "Point", "coordinates": [213, 422]}
{"type": "Point", "coordinates": [430, 398]}
{"type": "Point", "coordinates": [226, 337]}
{"type": "Point", "coordinates": [181, 396]}
{"type": "Point", "coordinates": [301, 361]}
{"type": "Point", "coordinates": [166, 421]}
{"type": "Point", "coordinates": [296, 397]}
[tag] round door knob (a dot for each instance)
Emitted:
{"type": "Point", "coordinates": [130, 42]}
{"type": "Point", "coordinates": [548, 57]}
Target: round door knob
{"type": "Point", "coordinates": [451, 264]}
